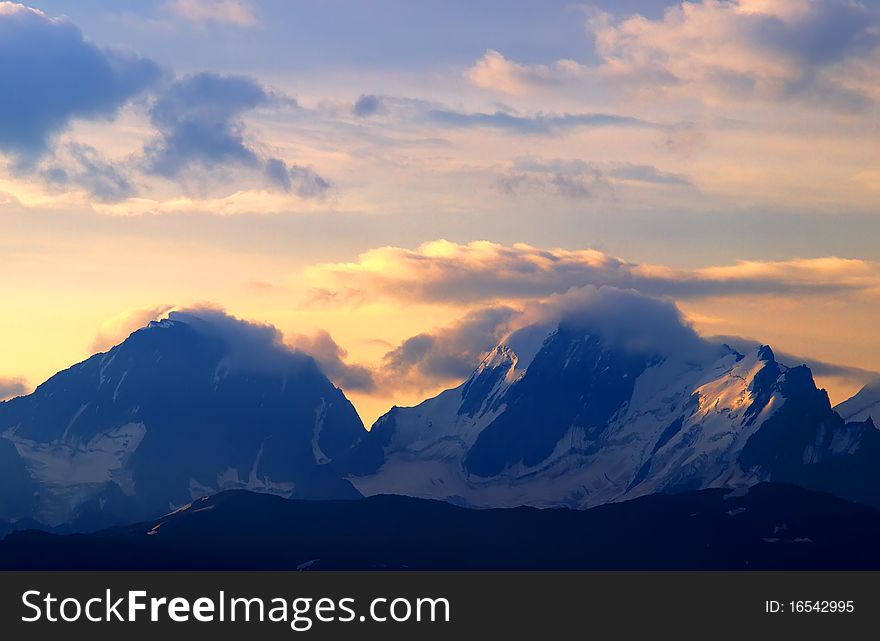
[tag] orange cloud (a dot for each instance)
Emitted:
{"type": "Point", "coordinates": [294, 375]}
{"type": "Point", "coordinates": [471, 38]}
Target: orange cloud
{"type": "Point", "coordinates": [11, 387]}
{"type": "Point", "coordinates": [202, 11]}
{"type": "Point", "coordinates": [815, 51]}
{"type": "Point", "coordinates": [495, 72]}
{"type": "Point", "coordinates": [116, 329]}
{"type": "Point", "coordinates": [482, 271]}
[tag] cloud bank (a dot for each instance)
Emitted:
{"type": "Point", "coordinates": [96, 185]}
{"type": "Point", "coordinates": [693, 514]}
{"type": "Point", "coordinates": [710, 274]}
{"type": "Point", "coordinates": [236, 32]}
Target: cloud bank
{"type": "Point", "coordinates": [253, 346]}
{"type": "Point", "coordinates": [625, 319]}
{"type": "Point", "coordinates": [331, 356]}
{"type": "Point", "coordinates": [482, 271]}
{"type": "Point", "coordinates": [445, 354]}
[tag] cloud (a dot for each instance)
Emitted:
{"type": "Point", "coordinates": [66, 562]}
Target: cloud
{"type": "Point", "coordinates": [331, 358]}
{"type": "Point", "coordinates": [823, 52]}
{"type": "Point", "coordinates": [50, 75]}
{"type": "Point", "coordinates": [583, 182]}
{"type": "Point", "coordinates": [83, 166]}
{"type": "Point", "coordinates": [199, 120]}
{"type": "Point", "coordinates": [625, 319]}
{"type": "Point", "coordinates": [580, 179]}
{"type": "Point", "coordinates": [233, 12]}
{"type": "Point", "coordinates": [12, 387]}
{"type": "Point", "coordinates": [442, 271]}
{"type": "Point", "coordinates": [684, 140]}
{"type": "Point", "coordinates": [444, 354]}
{"type": "Point", "coordinates": [648, 174]}
{"type": "Point", "coordinates": [534, 124]}
{"type": "Point", "coordinates": [116, 329]}
{"type": "Point", "coordinates": [818, 367]}
{"type": "Point", "coordinates": [248, 346]}
{"type": "Point", "coordinates": [305, 182]}
{"type": "Point", "coordinates": [368, 105]}
{"type": "Point", "coordinates": [199, 124]}
{"type": "Point", "coordinates": [494, 71]}
{"type": "Point", "coordinates": [251, 346]}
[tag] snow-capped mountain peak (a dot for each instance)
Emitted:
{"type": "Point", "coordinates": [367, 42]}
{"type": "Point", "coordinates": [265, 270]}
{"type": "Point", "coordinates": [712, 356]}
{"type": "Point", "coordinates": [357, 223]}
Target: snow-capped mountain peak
{"type": "Point", "coordinates": [588, 422]}
{"type": "Point", "coordinates": [179, 410]}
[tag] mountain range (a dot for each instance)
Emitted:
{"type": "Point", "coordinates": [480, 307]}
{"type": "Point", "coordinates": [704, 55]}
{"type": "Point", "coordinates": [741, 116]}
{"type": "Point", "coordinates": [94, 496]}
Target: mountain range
{"type": "Point", "coordinates": [566, 413]}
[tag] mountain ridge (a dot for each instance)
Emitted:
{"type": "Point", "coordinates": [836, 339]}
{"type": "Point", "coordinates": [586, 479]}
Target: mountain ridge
{"type": "Point", "coordinates": [768, 526]}
{"type": "Point", "coordinates": [556, 415]}
{"type": "Point", "coordinates": [584, 423]}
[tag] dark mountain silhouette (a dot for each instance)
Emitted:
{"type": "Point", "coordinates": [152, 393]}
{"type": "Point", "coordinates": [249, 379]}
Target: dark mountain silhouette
{"type": "Point", "coordinates": [767, 527]}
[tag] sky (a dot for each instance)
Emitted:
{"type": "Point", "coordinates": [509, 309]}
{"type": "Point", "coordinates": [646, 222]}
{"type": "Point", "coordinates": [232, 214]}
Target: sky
{"type": "Point", "coordinates": [393, 184]}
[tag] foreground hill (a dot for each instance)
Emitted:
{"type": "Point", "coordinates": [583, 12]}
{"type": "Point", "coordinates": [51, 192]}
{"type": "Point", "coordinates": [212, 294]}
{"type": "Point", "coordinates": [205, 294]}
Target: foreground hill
{"type": "Point", "coordinates": [767, 527]}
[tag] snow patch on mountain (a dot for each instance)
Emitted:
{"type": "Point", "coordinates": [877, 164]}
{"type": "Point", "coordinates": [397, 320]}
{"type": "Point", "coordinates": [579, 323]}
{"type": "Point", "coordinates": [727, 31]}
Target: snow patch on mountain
{"type": "Point", "coordinates": [862, 406]}
{"type": "Point", "coordinates": [72, 467]}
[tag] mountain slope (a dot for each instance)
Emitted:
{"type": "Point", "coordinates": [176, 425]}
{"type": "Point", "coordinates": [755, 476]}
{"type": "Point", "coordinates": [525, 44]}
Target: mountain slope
{"type": "Point", "coordinates": [585, 421]}
{"type": "Point", "coordinates": [767, 527]}
{"type": "Point", "coordinates": [863, 406]}
{"type": "Point", "coordinates": [181, 409]}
